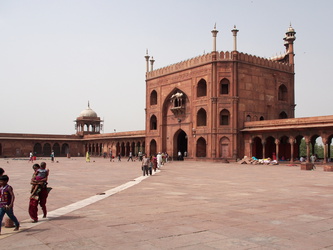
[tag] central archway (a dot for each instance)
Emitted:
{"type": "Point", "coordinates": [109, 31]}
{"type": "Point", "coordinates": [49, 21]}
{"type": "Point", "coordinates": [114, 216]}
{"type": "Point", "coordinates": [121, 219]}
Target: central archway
{"type": "Point", "coordinates": [180, 143]}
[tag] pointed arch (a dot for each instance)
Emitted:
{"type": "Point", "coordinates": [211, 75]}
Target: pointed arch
{"type": "Point", "coordinates": [225, 150]}
{"type": "Point", "coordinates": [153, 97]}
{"type": "Point", "coordinates": [180, 142]}
{"type": "Point", "coordinates": [153, 147]}
{"type": "Point", "coordinates": [270, 147]}
{"type": "Point", "coordinates": [283, 93]}
{"type": "Point", "coordinates": [224, 117]}
{"type": "Point", "coordinates": [201, 147]}
{"type": "Point", "coordinates": [38, 151]}
{"type": "Point", "coordinates": [284, 148]}
{"type": "Point", "coordinates": [153, 122]}
{"type": "Point", "coordinates": [47, 149]}
{"type": "Point", "coordinates": [202, 88]}
{"type": "Point", "coordinates": [283, 115]}
{"type": "Point", "coordinates": [176, 102]}
{"type": "Point", "coordinates": [202, 117]}
{"type": "Point", "coordinates": [257, 147]}
{"type": "Point", "coordinates": [224, 86]}
{"type": "Point", "coordinates": [56, 149]}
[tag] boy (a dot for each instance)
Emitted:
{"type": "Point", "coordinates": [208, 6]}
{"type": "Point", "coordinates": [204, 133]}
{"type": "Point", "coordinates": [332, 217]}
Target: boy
{"type": "Point", "coordinates": [7, 198]}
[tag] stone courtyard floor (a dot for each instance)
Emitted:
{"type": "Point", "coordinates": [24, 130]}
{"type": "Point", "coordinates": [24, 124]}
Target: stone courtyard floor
{"type": "Point", "coordinates": [187, 205]}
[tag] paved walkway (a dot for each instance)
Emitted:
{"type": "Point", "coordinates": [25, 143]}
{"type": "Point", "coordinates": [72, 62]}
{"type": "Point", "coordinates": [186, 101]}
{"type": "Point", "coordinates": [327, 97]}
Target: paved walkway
{"type": "Point", "coordinates": [188, 205]}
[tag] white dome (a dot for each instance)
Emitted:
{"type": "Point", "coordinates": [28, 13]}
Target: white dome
{"type": "Point", "coordinates": [88, 112]}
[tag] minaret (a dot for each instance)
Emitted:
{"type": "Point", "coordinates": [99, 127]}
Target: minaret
{"type": "Point", "coordinates": [152, 63]}
{"type": "Point", "coordinates": [214, 32]}
{"type": "Point", "coordinates": [234, 33]}
{"type": "Point", "coordinates": [147, 61]}
{"type": "Point", "coordinates": [290, 38]}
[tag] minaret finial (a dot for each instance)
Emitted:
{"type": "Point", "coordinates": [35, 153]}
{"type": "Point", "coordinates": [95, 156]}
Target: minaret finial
{"type": "Point", "coordinates": [234, 32]}
{"type": "Point", "coordinates": [152, 63]}
{"type": "Point", "coordinates": [147, 61]}
{"type": "Point", "coordinates": [88, 105]}
{"type": "Point", "coordinates": [214, 32]}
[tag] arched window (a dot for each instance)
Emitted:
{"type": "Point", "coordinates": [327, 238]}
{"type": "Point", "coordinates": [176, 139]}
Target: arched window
{"type": "Point", "coordinates": [283, 93]}
{"type": "Point", "coordinates": [261, 118]}
{"type": "Point", "coordinates": [201, 88]}
{"type": "Point", "coordinates": [248, 118]}
{"type": "Point", "coordinates": [201, 147]}
{"type": "Point", "coordinates": [153, 98]}
{"type": "Point", "coordinates": [224, 86]}
{"type": "Point", "coordinates": [153, 122]}
{"type": "Point", "coordinates": [201, 117]}
{"type": "Point", "coordinates": [224, 117]}
{"type": "Point", "coordinates": [283, 115]}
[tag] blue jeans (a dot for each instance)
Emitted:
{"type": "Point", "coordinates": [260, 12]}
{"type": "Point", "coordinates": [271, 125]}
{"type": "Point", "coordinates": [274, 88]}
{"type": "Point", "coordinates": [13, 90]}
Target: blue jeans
{"type": "Point", "coordinates": [10, 214]}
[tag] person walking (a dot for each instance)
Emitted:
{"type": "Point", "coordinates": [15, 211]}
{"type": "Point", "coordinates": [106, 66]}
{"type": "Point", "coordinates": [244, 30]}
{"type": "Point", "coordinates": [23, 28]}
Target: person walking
{"type": "Point", "coordinates": [87, 157]}
{"type": "Point", "coordinates": [159, 160]}
{"type": "Point", "coordinates": [150, 166]}
{"type": "Point", "coordinates": [7, 199]}
{"type": "Point", "coordinates": [31, 157]}
{"type": "Point", "coordinates": [130, 156]}
{"type": "Point", "coordinates": [140, 155]}
{"type": "Point", "coordinates": [42, 195]}
{"type": "Point", "coordinates": [111, 156]}
{"type": "Point", "coordinates": [144, 165]}
{"type": "Point", "coordinates": [52, 156]}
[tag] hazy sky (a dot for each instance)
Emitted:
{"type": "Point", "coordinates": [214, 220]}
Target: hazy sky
{"type": "Point", "coordinates": [57, 55]}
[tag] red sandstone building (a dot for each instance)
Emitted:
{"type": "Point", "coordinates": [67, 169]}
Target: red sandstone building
{"type": "Point", "coordinates": [220, 105]}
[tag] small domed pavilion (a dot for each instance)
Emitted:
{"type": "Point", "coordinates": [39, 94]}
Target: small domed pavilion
{"type": "Point", "coordinates": [88, 122]}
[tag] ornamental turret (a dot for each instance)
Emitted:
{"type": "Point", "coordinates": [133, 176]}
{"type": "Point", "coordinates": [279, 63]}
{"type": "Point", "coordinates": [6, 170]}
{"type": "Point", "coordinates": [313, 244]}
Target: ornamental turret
{"type": "Point", "coordinates": [88, 122]}
{"type": "Point", "coordinates": [289, 43]}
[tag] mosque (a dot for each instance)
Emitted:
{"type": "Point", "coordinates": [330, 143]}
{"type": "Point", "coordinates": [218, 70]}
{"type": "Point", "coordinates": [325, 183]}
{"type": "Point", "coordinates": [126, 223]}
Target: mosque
{"type": "Point", "coordinates": [217, 106]}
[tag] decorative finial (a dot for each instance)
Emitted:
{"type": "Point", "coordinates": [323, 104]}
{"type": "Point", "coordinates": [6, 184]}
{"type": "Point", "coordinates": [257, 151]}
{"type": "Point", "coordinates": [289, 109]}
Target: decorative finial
{"type": "Point", "coordinates": [215, 26]}
{"type": "Point", "coordinates": [88, 105]}
{"type": "Point", "coordinates": [146, 51]}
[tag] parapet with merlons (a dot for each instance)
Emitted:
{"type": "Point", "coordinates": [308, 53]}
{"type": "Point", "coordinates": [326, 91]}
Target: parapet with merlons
{"type": "Point", "coordinates": [220, 57]}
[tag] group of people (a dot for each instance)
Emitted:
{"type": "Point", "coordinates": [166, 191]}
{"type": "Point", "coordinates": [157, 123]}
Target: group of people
{"type": "Point", "coordinates": [38, 195]}
{"type": "Point", "coordinates": [32, 156]}
{"type": "Point", "coordinates": [152, 163]}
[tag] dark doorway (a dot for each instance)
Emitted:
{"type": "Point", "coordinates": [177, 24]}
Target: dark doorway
{"type": "Point", "coordinates": [181, 144]}
{"type": "Point", "coordinates": [153, 147]}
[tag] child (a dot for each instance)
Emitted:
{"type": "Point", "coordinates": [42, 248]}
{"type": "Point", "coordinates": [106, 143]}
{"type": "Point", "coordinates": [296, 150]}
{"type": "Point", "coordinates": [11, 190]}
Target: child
{"type": "Point", "coordinates": [39, 179]}
{"type": "Point", "coordinates": [7, 198]}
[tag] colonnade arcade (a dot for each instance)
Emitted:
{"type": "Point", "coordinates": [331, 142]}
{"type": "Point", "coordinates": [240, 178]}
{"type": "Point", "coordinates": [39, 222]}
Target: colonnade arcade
{"type": "Point", "coordinates": [287, 148]}
{"type": "Point", "coordinates": [45, 149]}
{"type": "Point", "coordinates": [116, 147]}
